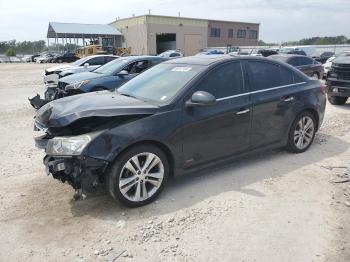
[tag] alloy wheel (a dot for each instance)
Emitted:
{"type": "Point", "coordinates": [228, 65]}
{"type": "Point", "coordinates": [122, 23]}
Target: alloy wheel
{"type": "Point", "coordinates": [141, 177]}
{"type": "Point", "coordinates": [304, 132]}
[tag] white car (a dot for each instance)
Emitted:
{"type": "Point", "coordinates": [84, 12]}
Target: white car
{"type": "Point", "coordinates": [328, 65]}
{"type": "Point", "coordinates": [171, 54]}
{"type": "Point", "coordinates": [89, 63]}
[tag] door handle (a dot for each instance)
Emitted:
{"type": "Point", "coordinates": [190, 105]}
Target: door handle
{"type": "Point", "coordinates": [244, 111]}
{"type": "Point", "coordinates": [288, 99]}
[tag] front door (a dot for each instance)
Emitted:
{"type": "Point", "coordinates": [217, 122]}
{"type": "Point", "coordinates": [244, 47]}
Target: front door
{"type": "Point", "coordinates": [220, 130]}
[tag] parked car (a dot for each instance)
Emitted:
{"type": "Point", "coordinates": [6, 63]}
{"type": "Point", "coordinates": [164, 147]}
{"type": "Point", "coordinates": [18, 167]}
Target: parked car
{"type": "Point", "coordinates": [53, 74]}
{"type": "Point", "coordinates": [211, 52]}
{"type": "Point", "coordinates": [322, 58]}
{"type": "Point", "coordinates": [89, 63]}
{"type": "Point", "coordinates": [107, 77]}
{"type": "Point", "coordinates": [328, 64]}
{"type": "Point", "coordinates": [44, 58]}
{"type": "Point", "coordinates": [338, 80]}
{"type": "Point", "coordinates": [32, 58]}
{"type": "Point", "coordinates": [267, 52]}
{"type": "Point", "coordinates": [305, 64]}
{"type": "Point", "coordinates": [292, 51]}
{"type": "Point", "coordinates": [171, 54]}
{"type": "Point", "coordinates": [65, 58]}
{"type": "Point", "coordinates": [179, 116]}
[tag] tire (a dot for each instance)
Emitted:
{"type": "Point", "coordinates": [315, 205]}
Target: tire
{"type": "Point", "coordinates": [337, 100]}
{"type": "Point", "coordinates": [123, 184]}
{"type": "Point", "coordinates": [301, 135]}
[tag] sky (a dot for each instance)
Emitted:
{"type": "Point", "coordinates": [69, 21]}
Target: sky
{"type": "Point", "coordinates": [281, 20]}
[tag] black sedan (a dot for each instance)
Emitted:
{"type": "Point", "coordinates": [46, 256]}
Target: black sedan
{"type": "Point", "coordinates": [307, 65]}
{"type": "Point", "coordinates": [65, 58]}
{"type": "Point", "coordinates": [177, 117]}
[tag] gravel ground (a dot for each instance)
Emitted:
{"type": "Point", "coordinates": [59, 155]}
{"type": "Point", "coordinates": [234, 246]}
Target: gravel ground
{"type": "Point", "coordinates": [274, 206]}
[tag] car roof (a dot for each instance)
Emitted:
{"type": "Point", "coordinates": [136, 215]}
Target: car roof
{"type": "Point", "coordinates": [92, 56]}
{"type": "Point", "coordinates": [147, 57]}
{"type": "Point", "coordinates": [207, 60]}
{"type": "Point", "coordinates": [288, 55]}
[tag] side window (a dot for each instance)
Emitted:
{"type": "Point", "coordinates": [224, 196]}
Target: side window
{"type": "Point", "coordinates": [174, 55]}
{"type": "Point", "coordinates": [225, 80]}
{"type": "Point", "coordinates": [137, 67]}
{"type": "Point", "coordinates": [109, 58]}
{"type": "Point", "coordinates": [298, 78]}
{"type": "Point", "coordinates": [305, 61]}
{"type": "Point", "coordinates": [286, 76]}
{"type": "Point", "coordinates": [293, 61]}
{"type": "Point", "coordinates": [96, 61]}
{"type": "Point", "coordinates": [264, 75]}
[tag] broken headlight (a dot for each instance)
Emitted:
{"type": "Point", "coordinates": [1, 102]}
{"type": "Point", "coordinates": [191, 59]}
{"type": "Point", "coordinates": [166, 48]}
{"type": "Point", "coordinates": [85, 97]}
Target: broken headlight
{"type": "Point", "coordinates": [67, 146]}
{"type": "Point", "coordinates": [77, 85]}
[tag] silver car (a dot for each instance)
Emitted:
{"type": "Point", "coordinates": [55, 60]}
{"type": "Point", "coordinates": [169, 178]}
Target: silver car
{"type": "Point", "coordinates": [89, 63]}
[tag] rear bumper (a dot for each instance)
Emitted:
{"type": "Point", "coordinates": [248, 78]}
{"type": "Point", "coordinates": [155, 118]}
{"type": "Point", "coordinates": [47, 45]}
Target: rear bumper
{"type": "Point", "coordinates": [338, 87]}
{"type": "Point", "coordinates": [75, 170]}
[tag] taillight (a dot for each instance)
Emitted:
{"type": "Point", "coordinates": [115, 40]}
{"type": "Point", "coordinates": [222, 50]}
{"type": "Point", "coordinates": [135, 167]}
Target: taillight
{"type": "Point", "coordinates": [324, 89]}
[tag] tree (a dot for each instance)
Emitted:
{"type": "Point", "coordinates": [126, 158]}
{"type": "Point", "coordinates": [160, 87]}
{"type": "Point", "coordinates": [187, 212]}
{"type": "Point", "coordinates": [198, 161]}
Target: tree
{"type": "Point", "coordinates": [10, 52]}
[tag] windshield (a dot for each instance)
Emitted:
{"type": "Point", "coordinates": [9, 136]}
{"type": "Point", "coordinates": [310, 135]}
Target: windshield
{"type": "Point", "coordinates": [80, 62]}
{"type": "Point", "coordinates": [160, 83]}
{"type": "Point", "coordinates": [112, 67]}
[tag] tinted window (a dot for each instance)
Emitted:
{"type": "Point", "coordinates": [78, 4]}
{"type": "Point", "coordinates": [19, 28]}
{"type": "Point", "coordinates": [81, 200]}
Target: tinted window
{"type": "Point", "coordinates": [267, 75]}
{"type": "Point", "coordinates": [264, 75]}
{"type": "Point", "coordinates": [305, 61]}
{"type": "Point", "coordinates": [96, 61]}
{"type": "Point", "coordinates": [174, 54]}
{"type": "Point", "coordinates": [109, 58]}
{"type": "Point", "coordinates": [286, 76]}
{"type": "Point", "coordinates": [225, 80]}
{"type": "Point", "coordinates": [136, 67]}
{"type": "Point", "coordinates": [156, 61]}
{"type": "Point", "coordinates": [293, 61]}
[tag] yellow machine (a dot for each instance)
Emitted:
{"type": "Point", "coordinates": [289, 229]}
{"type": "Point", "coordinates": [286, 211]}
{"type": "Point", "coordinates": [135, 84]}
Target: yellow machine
{"type": "Point", "coordinates": [90, 50]}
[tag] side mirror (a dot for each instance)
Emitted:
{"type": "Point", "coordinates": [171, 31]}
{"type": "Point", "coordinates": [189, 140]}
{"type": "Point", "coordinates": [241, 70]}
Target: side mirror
{"type": "Point", "coordinates": [201, 98]}
{"type": "Point", "coordinates": [86, 65]}
{"type": "Point", "coordinates": [123, 73]}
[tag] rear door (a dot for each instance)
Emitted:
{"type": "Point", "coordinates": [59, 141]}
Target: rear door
{"type": "Point", "coordinates": [220, 130]}
{"type": "Point", "coordinates": [272, 94]}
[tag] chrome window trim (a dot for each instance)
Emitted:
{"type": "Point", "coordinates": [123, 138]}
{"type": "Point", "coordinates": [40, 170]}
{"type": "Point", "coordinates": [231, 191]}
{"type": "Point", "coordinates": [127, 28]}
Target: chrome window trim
{"type": "Point", "coordinates": [259, 91]}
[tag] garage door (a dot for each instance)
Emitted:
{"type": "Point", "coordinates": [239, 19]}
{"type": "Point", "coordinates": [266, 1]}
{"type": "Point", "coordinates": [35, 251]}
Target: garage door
{"type": "Point", "coordinates": [193, 43]}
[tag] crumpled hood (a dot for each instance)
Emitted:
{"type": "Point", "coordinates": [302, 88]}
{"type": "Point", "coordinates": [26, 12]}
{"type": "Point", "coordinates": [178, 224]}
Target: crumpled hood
{"type": "Point", "coordinates": [341, 60]}
{"type": "Point", "coordinates": [59, 67]}
{"type": "Point", "coordinates": [71, 79]}
{"type": "Point", "coordinates": [64, 111]}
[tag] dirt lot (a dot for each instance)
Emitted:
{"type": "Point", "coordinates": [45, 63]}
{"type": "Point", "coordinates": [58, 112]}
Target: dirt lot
{"type": "Point", "coordinates": [274, 206]}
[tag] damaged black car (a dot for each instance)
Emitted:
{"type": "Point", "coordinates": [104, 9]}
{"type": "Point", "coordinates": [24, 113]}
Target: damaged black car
{"type": "Point", "coordinates": [177, 117]}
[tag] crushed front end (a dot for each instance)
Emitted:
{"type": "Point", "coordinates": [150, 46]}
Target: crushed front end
{"type": "Point", "coordinates": [76, 170]}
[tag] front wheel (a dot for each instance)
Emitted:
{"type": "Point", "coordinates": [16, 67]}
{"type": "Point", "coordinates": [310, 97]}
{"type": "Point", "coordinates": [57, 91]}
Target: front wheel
{"type": "Point", "coordinates": [138, 176]}
{"type": "Point", "coordinates": [337, 100]}
{"type": "Point", "coordinates": [302, 133]}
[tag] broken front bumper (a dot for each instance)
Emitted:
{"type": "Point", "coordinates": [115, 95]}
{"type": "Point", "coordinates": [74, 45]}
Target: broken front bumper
{"type": "Point", "coordinates": [75, 170]}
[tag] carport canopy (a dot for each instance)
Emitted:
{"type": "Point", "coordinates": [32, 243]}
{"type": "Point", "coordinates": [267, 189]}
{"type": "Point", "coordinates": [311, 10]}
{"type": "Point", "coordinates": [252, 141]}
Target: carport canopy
{"type": "Point", "coordinates": [77, 30]}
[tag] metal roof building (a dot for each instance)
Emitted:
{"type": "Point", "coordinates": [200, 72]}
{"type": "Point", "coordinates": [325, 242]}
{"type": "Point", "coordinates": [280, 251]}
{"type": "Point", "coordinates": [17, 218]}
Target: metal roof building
{"type": "Point", "coordinates": [74, 30]}
{"type": "Point", "coordinates": [76, 33]}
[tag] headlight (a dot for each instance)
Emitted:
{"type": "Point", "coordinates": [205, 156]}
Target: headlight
{"type": "Point", "coordinates": [77, 85]}
{"type": "Point", "coordinates": [67, 146]}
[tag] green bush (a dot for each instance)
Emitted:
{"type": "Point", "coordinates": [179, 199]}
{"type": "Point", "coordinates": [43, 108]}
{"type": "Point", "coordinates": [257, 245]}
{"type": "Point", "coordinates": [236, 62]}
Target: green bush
{"type": "Point", "coordinates": [10, 52]}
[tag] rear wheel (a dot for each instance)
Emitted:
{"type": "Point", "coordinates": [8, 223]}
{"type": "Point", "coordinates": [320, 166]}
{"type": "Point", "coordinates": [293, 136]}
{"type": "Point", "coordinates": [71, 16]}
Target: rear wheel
{"type": "Point", "coordinates": [302, 133]}
{"type": "Point", "coordinates": [138, 176]}
{"type": "Point", "coordinates": [337, 100]}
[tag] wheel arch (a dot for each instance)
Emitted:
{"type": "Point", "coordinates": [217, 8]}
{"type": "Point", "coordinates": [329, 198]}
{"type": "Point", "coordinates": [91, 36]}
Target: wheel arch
{"type": "Point", "coordinates": [162, 146]}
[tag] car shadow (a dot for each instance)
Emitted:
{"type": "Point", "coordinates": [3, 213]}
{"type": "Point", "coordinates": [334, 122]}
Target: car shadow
{"type": "Point", "coordinates": [190, 189]}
